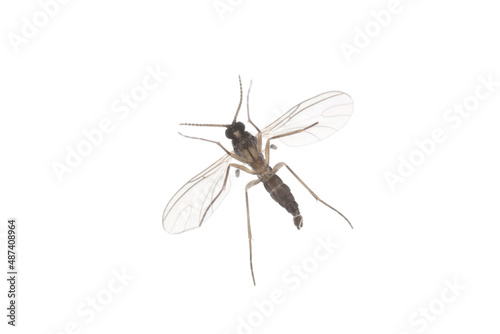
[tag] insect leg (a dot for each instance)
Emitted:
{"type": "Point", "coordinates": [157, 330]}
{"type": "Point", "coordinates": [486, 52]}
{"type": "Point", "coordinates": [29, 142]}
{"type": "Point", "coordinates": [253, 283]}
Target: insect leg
{"type": "Point", "coordinates": [281, 164]}
{"type": "Point", "coordinates": [243, 168]}
{"type": "Point", "coordinates": [259, 133]}
{"type": "Point", "coordinates": [219, 144]}
{"type": "Point", "coordinates": [248, 108]}
{"type": "Point", "coordinates": [250, 185]}
{"type": "Point", "coordinates": [284, 135]}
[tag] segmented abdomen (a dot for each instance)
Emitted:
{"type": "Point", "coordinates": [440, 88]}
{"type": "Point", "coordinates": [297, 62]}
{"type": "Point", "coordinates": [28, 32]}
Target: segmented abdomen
{"type": "Point", "coordinates": [281, 193]}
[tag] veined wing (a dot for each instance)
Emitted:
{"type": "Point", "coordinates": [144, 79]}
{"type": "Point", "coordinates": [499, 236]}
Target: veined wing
{"type": "Point", "coordinates": [186, 210]}
{"type": "Point", "coordinates": [331, 110]}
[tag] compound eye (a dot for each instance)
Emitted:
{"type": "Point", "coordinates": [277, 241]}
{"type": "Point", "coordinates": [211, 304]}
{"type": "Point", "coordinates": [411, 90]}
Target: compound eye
{"type": "Point", "coordinates": [229, 133]}
{"type": "Point", "coordinates": [240, 127]}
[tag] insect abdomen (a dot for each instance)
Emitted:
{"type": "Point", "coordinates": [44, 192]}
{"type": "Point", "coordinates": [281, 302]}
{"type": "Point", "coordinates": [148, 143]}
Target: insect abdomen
{"type": "Point", "coordinates": [281, 193]}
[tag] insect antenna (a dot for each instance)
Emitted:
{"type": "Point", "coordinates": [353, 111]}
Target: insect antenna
{"type": "Point", "coordinates": [241, 99]}
{"type": "Point", "coordinates": [213, 125]}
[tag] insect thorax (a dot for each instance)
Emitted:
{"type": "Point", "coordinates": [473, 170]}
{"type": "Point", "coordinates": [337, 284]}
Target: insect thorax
{"type": "Point", "coordinates": [245, 142]}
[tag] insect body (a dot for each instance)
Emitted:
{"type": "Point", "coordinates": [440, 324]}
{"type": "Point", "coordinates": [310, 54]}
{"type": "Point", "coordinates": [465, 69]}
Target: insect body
{"type": "Point", "coordinates": [306, 123]}
{"type": "Point", "coordinates": [246, 146]}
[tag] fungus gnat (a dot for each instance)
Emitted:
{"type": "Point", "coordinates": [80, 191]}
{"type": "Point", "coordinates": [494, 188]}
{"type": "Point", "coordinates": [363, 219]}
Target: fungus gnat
{"type": "Point", "coordinates": [306, 123]}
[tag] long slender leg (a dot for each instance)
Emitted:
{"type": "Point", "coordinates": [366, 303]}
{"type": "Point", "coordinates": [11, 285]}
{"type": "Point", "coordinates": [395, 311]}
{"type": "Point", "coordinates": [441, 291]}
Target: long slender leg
{"type": "Point", "coordinates": [284, 135]}
{"type": "Point", "coordinates": [217, 143]}
{"type": "Point", "coordinates": [259, 133]}
{"type": "Point", "coordinates": [248, 108]}
{"type": "Point", "coordinates": [281, 164]}
{"type": "Point", "coordinates": [250, 185]}
{"type": "Point", "coordinates": [243, 168]}
{"type": "Point", "coordinates": [259, 141]}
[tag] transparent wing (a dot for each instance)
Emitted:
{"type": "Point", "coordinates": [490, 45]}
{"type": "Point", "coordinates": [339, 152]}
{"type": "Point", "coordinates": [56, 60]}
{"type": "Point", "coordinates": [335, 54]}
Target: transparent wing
{"type": "Point", "coordinates": [186, 209]}
{"type": "Point", "coordinates": [331, 110]}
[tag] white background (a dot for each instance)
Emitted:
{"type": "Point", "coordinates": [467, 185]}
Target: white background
{"type": "Point", "coordinates": [440, 225]}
